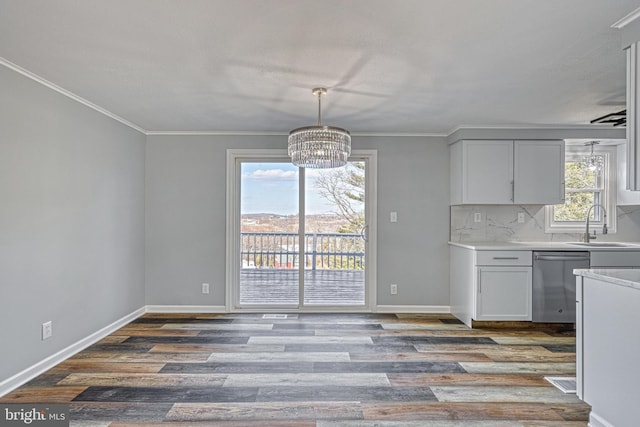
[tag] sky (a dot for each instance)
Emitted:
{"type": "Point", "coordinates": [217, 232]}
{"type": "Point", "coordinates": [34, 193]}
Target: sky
{"type": "Point", "coordinates": [273, 188]}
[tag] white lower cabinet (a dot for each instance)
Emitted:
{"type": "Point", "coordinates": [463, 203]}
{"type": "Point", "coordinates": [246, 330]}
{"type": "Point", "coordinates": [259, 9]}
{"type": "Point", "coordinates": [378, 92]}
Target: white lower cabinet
{"type": "Point", "coordinates": [503, 293]}
{"type": "Point", "coordinates": [490, 285]}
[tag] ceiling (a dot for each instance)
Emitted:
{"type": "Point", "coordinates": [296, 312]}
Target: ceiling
{"type": "Point", "coordinates": [403, 66]}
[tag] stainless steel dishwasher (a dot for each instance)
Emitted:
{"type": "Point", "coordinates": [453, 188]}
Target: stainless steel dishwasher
{"type": "Point", "coordinates": [554, 285]}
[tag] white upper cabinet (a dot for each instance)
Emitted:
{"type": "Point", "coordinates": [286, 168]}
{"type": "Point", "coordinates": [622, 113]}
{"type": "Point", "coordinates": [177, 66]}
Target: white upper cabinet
{"type": "Point", "coordinates": [633, 123]}
{"type": "Point", "coordinates": [482, 172]}
{"type": "Point", "coordinates": [538, 172]}
{"type": "Point", "coordinates": [504, 172]}
{"type": "Point", "coordinates": [624, 196]}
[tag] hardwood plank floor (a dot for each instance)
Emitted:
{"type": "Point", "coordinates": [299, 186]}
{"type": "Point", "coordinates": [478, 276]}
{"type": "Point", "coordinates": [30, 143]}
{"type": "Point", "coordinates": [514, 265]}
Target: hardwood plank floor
{"type": "Point", "coordinates": [320, 370]}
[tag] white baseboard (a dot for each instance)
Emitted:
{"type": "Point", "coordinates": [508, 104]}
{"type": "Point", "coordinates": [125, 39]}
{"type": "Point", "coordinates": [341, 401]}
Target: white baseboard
{"type": "Point", "coordinates": [185, 309]}
{"type": "Point", "coordinates": [419, 309]}
{"type": "Point", "coordinates": [44, 365]}
{"type": "Point", "coordinates": [597, 421]}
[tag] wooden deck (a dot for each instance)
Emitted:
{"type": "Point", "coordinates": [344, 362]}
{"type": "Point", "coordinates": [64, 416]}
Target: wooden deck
{"type": "Point", "coordinates": [322, 287]}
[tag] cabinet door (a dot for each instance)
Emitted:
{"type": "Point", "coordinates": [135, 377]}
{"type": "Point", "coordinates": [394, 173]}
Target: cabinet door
{"type": "Point", "coordinates": [625, 197]}
{"type": "Point", "coordinates": [487, 172]}
{"type": "Point", "coordinates": [539, 172]}
{"type": "Point", "coordinates": [503, 293]}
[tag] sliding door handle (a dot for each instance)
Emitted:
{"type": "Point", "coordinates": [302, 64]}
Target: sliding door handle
{"type": "Point", "coordinates": [364, 233]}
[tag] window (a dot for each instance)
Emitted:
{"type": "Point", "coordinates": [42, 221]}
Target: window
{"type": "Point", "coordinates": [585, 187]}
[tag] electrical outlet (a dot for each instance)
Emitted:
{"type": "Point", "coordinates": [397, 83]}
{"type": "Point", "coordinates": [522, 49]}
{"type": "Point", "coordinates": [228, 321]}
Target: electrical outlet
{"type": "Point", "coordinates": [47, 330]}
{"type": "Point", "coordinates": [393, 217]}
{"type": "Point", "coordinates": [205, 288]}
{"type": "Point", "coordinates": [477, 217]}
{"type": "Point", "coordinates": [393, 289]}
{"type": "Point", "coordinates": [521, 217]}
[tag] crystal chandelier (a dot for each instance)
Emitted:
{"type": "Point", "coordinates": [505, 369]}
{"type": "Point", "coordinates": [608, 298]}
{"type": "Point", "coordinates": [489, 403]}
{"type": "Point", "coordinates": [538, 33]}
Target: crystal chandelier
{"type": "Point", "coordinates": [592, 162]}
{"type": "Point", "coordinates": [319, 147]}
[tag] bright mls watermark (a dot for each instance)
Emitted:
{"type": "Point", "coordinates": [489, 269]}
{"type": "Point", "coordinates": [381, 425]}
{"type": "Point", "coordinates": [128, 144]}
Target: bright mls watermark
{"type": "Point", "coordinates": [39, 415]}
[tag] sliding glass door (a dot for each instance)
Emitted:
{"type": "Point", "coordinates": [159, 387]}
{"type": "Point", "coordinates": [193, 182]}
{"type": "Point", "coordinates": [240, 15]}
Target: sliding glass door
{"type": "Point", "coordinates": [269, 230]}
{"type": "Point", "coordinates": [301, 236]}
{"type": "Point", "coordinates": [335, 233]}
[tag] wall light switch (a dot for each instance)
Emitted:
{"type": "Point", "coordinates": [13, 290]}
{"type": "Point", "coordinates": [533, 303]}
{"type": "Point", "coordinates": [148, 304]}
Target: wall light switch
{"type": "Point", "coordinates": [205, 288]}
{"type": "Point", "coordinates": [393, 217]}
{"type": "Point", "coordinates": [521, 217]}
{"type": "Point", "coordinates": [477, 217]}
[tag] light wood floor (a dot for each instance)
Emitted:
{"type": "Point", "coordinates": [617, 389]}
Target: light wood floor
{"type": "Point", "coordinates": [321, 370]}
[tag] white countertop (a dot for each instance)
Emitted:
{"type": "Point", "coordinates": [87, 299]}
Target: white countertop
{"type": "Point", "coordinates": [624, 277]}
{"type": "Point", "coordinates": [544, 246]}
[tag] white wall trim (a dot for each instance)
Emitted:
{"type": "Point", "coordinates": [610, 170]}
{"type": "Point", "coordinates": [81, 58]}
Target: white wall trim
{"type": "Point", "coordinates": [597, 421]}
{"type": "Point", "coordinates": [629, 18]}
{"type": "Point", "coordinates": [33, 371]}
{"type": "Point", "coordinates": [413, 309]}
{"type": "Point", "coordinates": [588, 127]}
{"type": "Point", "coordinates": [185, 309]}
{"type": "Point", "coordinates": [276, 133]}
{"type": "Point", "coordinates": [234, 158]}
{"type": "Point", "coordinates": [214, 133]}
{"type": "Point", "coordinates": [537, 132]}
{"type": "Point", "coordinates": [18, 69]}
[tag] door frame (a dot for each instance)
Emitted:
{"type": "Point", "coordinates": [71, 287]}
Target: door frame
{"type": "Point", "coordinates": [232, 273]}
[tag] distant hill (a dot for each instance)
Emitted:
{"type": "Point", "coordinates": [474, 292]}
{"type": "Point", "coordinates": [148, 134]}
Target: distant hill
{"type": "Point", "coordinates": [269, 223]}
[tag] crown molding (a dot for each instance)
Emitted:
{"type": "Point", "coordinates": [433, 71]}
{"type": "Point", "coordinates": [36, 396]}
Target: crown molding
{"type": "Point", "coordinates": [213, 133]}
{"type": "Point", "coordinates": [538, 132]}
{"type": "Point", "coordinates": [627, 19]}
{"type": "Point", "coordinates": [400, 134]}
{"type": "Point", "coordinates": [531, 127]}
{"type": "Point", "coordinates": [272, 133]}
{"type": "Point", "coordinates": [68, 94]}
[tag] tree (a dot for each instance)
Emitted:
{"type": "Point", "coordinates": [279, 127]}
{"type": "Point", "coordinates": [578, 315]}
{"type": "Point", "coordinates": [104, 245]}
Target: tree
{"type": "Point", "coordinates": [344, 188]}
{"type": "Point", "coordinates": [582, 185]}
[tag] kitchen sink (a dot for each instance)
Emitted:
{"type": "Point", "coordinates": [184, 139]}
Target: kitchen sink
{"type": "Point", "coordinates": [603, 245]}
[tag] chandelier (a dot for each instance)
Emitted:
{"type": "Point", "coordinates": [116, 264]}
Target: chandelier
{"type": "Point", "coordinates": [593, 162]}
{"type": "Point", "coordinates": [319, 147]}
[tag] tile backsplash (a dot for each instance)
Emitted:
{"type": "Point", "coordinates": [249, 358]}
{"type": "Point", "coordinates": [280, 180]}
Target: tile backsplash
{"type": "Point", "coordinates": [500, 223]}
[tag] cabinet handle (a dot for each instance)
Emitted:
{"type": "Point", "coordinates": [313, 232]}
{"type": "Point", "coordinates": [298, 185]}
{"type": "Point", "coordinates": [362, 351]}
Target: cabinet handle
{"type": "Point", "coordinates": [479, 281]}
{"type": "Point", "coordinates": [563, 190]}
{"type": "Point", "coordinates": [505, 257]}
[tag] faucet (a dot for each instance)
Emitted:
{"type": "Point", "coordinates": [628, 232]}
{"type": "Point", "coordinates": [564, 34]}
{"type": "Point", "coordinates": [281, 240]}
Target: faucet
{"type": "Point", "coordinates": [586, 237]}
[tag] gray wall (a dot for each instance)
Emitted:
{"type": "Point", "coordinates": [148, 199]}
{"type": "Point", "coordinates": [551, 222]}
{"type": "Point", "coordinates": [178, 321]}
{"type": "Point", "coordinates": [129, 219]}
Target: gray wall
{"type": "Point", "coordinates": [186, 217]}
{"type": "Point", "coordinates": [71, 221]}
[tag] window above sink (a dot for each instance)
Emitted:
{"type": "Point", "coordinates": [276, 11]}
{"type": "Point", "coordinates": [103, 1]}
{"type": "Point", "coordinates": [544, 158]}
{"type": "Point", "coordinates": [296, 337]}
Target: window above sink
{"type": "Point", "coordinates": [583, 189]}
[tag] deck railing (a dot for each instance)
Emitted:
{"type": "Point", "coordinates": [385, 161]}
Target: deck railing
{"type": "Point", "coordinates": [322, 251]}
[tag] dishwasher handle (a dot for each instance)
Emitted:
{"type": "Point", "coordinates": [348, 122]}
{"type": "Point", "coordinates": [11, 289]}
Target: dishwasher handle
{"type": "Point", "coordinates": [561, 258]}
